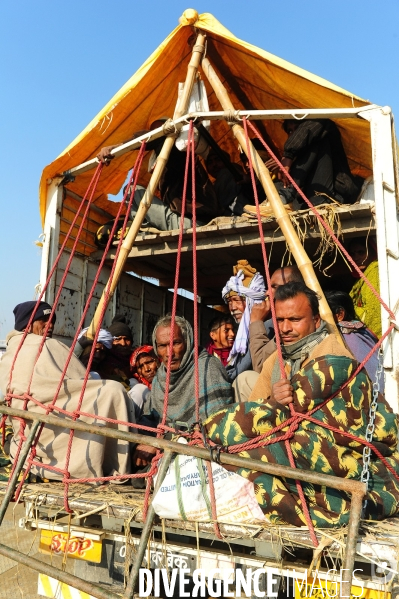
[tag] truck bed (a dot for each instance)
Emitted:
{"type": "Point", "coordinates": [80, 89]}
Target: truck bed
{"type": "Point", "coordinates": [121, 503]}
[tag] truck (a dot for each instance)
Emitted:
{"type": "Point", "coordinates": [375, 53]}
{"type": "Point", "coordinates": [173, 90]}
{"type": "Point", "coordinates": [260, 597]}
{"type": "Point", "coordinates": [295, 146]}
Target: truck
{"type": "Point", "coordinates": [108, 532]}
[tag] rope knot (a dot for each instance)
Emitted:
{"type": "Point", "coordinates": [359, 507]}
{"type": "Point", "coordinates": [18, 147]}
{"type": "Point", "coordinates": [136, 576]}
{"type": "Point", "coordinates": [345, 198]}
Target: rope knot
{"type": "Point", "coordinates": [169, 128]}
{"type": "Point", "coordinates": [232, 116]}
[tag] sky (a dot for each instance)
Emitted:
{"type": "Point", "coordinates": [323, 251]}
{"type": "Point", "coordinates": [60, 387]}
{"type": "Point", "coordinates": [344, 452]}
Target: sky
{"type": "Point", "coordinates": [61, 63]}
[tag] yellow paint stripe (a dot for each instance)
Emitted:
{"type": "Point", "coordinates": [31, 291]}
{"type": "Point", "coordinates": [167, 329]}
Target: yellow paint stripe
{"type": "Point", "coordinates": [51, 587]}
{"type": "Point", "coordinates": [66, 592]}
{"type": "Point", "coordinates": [46, 585]}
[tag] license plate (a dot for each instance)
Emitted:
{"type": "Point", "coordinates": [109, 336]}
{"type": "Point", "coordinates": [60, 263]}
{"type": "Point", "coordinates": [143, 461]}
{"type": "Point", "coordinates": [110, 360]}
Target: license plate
{"type": "Point", "coordinates": [313, 591]}
{"type": "Point", "coordinates": [76, 547]}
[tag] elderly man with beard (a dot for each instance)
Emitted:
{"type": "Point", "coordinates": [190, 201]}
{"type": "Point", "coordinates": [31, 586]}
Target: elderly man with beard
{"type": "Point", "coordinates": [214, 388]}
{"type": "Point", "coordinates": [36, 364]}
{"type": "Point", "coordinates": [249, 304]}
{"type": "Point", "coordinates": [241, 293]}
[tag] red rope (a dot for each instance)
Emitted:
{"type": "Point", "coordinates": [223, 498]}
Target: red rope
{"type": "Point", "coordinates": [51, 406]}
{"type": "Point", "coordinates": [191, 147]}
{"type": "Point", "coordinates": [264, 255]}
{"type": "Point", "coordinates": [161, 426]}
{"type": "Point", "coordinates": [92, 185]}
{"type": "Point", "coordinates": [262, 440]}
{"type": "Point", "coordinates": [305, 508]}
{"type": "Point", "coordinates": [134, 176]}
{"type": "Point", "coordinates": [175, 290]}
{"type": "Point", "coordinates": [323, 222]}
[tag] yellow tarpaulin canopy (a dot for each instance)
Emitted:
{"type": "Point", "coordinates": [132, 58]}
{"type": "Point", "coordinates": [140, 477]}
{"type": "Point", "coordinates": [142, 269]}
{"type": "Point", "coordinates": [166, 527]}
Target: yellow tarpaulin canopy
{"type": "Point", "coordinates": [254, 78]}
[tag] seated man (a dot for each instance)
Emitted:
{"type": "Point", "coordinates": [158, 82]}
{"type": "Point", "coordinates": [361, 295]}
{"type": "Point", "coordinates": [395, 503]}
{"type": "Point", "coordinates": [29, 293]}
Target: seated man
{"type": "Point", "coordinates": [241, 293]}
{"type": "Point", "coordinates": [367, 307]}
{"type": "Point", "coordinates": [214, 389]}
{"type": "Point", "coordinates": [116, 363]}
{"type": "Point", "coordinates": [84, 345]}
{"type": "Point", "coordinates": [222, 333]}
{"type": "Point", "coordinates": [316, 160]}
{"type": "Point", "coordinates": [357, 336]}
{"type": "Point", "coordinates": [228, 185]}
{"type": "Point", "coordinates": [243, 370]}
{"type": "Point", "coordinates": [165, 211]}
{"type": "Point", "coordinates": [317, 367]}
{"type": "Point", "coordinates": [92, 456]}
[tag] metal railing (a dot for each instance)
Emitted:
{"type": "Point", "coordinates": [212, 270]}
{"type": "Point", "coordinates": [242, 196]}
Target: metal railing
{"type": "Point", "coordinates": [355, 489]}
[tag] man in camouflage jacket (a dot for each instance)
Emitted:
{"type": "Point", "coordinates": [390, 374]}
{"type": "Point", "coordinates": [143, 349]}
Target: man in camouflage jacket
{"type": "Point", "coordinates": [316, 368]}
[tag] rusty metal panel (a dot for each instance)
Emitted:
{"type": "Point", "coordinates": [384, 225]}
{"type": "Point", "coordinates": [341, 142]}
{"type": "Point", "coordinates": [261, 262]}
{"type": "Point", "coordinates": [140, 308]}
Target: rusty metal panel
{"type": "Point", "coordinates": [92, 268]}
{"type": "Point", "coordinates": [141, 302]}
{"type": "Point", "coordinates": [68, 313]}
{"type": "Point", "coordinates": [153, 308]}
{"type": "Point", "coordinates": [70, 303]}
{"type": "Point", "coordinates": [129, 303]}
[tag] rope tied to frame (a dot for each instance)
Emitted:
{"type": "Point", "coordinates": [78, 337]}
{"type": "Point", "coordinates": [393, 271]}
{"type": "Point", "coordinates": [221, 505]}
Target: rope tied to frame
{"type": "Point", "coordinates": [169, 128]}
{"type": "Point", "coordinates": [195, 438]}
{"type": "Point", "coordinates": [232, 116]}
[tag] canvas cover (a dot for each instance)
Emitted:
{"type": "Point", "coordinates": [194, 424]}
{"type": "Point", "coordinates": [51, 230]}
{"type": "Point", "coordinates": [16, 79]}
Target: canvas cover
{"type": "Point", "coordinates": [254, 78]}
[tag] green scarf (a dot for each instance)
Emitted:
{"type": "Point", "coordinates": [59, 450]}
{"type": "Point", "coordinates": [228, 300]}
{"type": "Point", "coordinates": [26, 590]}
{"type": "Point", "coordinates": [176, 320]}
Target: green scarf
{"type": "Point", "coordinates": [295, 354]}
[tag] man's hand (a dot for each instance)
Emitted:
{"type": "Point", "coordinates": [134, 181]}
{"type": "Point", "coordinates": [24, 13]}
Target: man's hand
{"type": "Point", "coordinates": [143, 455]}
{"type": "Point", "coordinates": [286, 162]}
{"type": "Point", "coordinates": [261, 311]}
{"type": "Point", "coordinates": [282, 392]}
{"type": "Point", "coordinates": [272, 165]}
{"type": "Point", "coordinates": [105, 155]}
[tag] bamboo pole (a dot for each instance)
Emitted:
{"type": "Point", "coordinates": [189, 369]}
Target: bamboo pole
{"type": "Point", "coordinates": [301, 258]}
{"type": "Point", "coordinates": [146, 201]}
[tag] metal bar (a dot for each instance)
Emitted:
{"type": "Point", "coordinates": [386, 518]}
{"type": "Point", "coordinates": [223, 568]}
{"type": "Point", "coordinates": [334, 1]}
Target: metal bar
{"type": "Point", "coordinates": [317, 478]}
{"type": "Point", "coordinates": [78, 583]}
{"type": "Point", "coordinates": [20, 464]}
{"type": "Point", "coordinates": [351, 542]}
{"type": "Point", "coordinates": [214, 115]}
{"type": "Point", "coordinates": [145, 534]}
{"type": "Point", "coordinates": [356, 489]}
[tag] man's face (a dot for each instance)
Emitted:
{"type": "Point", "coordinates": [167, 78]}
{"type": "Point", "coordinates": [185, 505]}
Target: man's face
{"type": "Point", "coordinates": [295, 319]}
{"type": "Point", "coordinates": [99, 352]}
{"type": "Point", "coordinates": [223, 336]}
{"type": "Point", "coordinates": [360, 255]}
{"type": "Point", "coordinates": [179, 346]}
{"type": "Point", "coordinates": [123, 341]}
{"type": "Point", "coordinates": [39, 327]}
{"type": "Point", "coordinates": [147, 367]}
{"type": "Point", "coordinates": [281, 276]}
{"type": "Point", "coordinates": [291, 127]}
{"type": "Point", "coordinates": [214, 164]}
{"type": "Point", "coordinates": [236, 305]}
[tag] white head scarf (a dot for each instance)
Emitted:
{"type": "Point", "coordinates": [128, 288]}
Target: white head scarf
{"type": "Point", "coordinates": [255, 293]}
{"type": "Point", "coordinates": [104, 337]}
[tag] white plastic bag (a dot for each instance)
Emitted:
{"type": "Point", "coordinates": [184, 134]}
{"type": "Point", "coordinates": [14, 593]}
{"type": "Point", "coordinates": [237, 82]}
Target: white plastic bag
{"type": "Point", "coordinates": [184, 494]}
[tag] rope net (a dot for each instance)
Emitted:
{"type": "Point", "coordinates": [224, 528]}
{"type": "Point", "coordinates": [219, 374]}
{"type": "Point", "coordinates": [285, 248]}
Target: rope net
{"type": "Point", "coordinates": [196, 435]}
